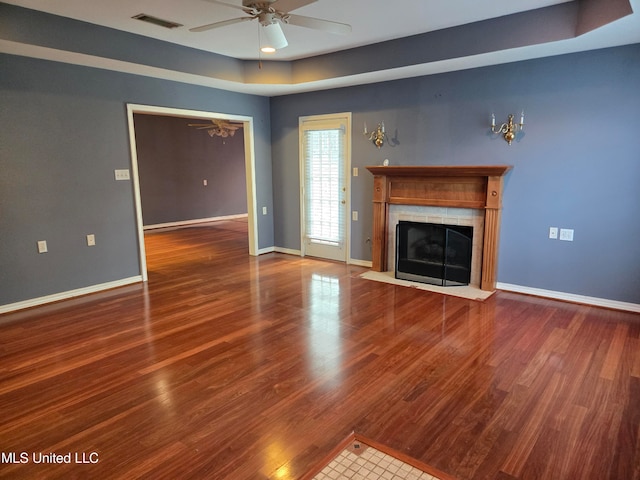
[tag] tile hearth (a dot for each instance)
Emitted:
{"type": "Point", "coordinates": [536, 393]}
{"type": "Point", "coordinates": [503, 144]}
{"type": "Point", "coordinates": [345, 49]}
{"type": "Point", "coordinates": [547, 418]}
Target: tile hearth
{"type": "Point", "coordinates": [469, 292]}
{"type": "Point", "coordinates": [363, 462]}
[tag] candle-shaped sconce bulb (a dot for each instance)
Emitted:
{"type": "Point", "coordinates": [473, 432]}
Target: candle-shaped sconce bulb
{"type": "Point", "coordinates": [382, 127]}
{"type": "Point", "coordinates": [365, 128]}
{"type": "Point", "coordinates": [493, 120]}
{"type": "Point", "coordinates": [522, 118]}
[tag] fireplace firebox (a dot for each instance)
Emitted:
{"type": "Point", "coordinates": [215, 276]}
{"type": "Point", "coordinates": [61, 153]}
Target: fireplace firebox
{"type": "Point", "coordinates": [433, 253]}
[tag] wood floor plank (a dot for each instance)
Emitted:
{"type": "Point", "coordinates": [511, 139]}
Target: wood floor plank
{"type": "Point", "coordinates": [230, 366]}
{"type": "Point", "coordinates": [614, 354]}
{"type": "Point", "coordinates": [515, 462]}
{"type": "Point", "coordinates": [635, 356]}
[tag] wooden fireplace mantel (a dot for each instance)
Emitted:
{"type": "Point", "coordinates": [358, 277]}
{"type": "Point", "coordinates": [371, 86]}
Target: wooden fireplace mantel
{"type": "Point", "coordinates": [478, 187]}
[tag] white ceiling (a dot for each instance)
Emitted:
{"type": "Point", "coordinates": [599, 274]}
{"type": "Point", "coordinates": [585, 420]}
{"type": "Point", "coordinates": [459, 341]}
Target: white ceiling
{"type": "Point", "coordinates": [372, 21]}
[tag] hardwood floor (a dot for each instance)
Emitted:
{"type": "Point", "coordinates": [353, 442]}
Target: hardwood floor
{"type": "Point", "coordinates": [226, 366]}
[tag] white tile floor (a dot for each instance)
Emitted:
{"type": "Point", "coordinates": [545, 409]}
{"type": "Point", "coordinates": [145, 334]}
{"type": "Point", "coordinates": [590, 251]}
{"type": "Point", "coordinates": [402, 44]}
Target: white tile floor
{"type": "Point", "coordinates": [367, 463]}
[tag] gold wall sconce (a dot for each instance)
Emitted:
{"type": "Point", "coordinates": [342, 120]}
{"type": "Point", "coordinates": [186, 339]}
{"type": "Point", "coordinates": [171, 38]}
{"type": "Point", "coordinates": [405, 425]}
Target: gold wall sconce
{"type": "Point", "coordinates": [377, 136]}
{"type": "Point", "coordinates": [508, 129]}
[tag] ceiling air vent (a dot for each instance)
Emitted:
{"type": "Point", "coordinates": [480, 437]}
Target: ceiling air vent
{"type": "Point", "coordinates": [143, 17]}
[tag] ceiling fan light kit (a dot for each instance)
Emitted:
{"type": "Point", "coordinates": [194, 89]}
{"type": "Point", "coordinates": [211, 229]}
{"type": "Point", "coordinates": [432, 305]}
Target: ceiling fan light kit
{"type": "Point", "coordinates": [274, 37]}
{"type": "Point", "coordinates": [270, 19]}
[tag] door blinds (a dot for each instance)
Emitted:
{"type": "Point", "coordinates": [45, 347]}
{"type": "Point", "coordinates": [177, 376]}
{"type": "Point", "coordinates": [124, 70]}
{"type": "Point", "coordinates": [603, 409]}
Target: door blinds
{"type": "Point", "coordinates": [324, 185]}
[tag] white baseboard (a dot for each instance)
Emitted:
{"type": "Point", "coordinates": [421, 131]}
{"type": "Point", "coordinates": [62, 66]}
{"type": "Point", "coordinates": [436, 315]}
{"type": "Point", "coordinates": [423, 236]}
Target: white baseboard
{"type": "Point", "coordinates": [351, 261]}
{"type": "Point", "coordinates": [361, 263]}
{"type": "Point", "coordinates": [262, 251]}
{"type": "Point", "coordinates": [184, 223]}
{"type": "Point", "coordinates": [34, 302]}
{"type": "Point", "coordinates": [288, 251]}
{"type": "Point", "coordinates": [570, 297]}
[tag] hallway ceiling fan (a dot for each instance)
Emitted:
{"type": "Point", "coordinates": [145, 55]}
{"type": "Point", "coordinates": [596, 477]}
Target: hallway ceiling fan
{"type": "Point", "coordinates": [270, 16]}
{"type": "Point", "coordinates": [218, 127]}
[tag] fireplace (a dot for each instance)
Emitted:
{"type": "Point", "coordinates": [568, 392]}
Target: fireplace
{"type": "Point", "coordinates": [433, 253]}
{"type": "Point", "coordinates": [465, 188]}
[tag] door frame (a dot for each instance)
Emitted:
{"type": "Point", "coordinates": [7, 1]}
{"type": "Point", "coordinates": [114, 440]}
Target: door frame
{"type": "Point", "coordinates": [346, 117]}
{"type": "Point", "coordinates": [249, 162]}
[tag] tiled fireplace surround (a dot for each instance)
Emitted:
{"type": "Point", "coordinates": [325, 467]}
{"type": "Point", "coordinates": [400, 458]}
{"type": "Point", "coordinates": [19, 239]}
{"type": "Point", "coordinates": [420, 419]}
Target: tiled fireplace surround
{"type": "Point", "coordinates": [454, 195]}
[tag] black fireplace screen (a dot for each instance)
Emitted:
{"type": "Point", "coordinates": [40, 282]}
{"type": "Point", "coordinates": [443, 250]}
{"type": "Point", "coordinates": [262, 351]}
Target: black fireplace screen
{"type": "Point", "coordinates": [433, 253]}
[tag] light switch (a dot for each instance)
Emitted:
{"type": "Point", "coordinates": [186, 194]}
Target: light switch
{"type": "Point", "coordinates": [264, 210]}
{"type": "Point", "coordinates": [91, 240]}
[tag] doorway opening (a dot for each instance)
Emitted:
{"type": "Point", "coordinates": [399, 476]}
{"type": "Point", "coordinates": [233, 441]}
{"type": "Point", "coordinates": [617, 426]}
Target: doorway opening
{"type": "Point", "coordinates": [197, 116]}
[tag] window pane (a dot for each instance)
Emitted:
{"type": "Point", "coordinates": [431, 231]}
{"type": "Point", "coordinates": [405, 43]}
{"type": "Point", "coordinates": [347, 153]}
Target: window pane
{"type": "Point", "coordinates": [323, 150]}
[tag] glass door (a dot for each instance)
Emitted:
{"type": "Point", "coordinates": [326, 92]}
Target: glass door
{"type": "Point", "coordinates": [324, 172]}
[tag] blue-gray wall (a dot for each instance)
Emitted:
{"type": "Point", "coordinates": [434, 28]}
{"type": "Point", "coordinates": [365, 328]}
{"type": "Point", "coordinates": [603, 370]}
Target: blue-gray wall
{"type": "Point", "coordinates": [63, 132]}
{"type": "Point", "coordinates": [174, 159]}
{"type": "Point", "coordinates": [576, 166]}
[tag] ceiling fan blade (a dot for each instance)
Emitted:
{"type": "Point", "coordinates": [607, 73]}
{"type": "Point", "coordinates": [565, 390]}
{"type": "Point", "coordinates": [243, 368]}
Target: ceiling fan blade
{"type": "Point", "coordinates": [318, 24]}
{"type": "Point", "coordinates": [288, 5]}
{"type": "Point", "coordinates": [224, 23]}
{"type": "Point", "coordinates": [244, 9]}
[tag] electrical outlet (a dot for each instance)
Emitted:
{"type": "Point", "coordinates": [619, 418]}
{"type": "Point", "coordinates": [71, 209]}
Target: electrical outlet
{"type": "Point", "coordinates": [264, 210]}
{"type": "Point", "coordinates": [354, 215]}
{"type": "Point", "coordinates": [355, 171]}
{"type": "Point", "coordinates": [205, 183]}
{"type": "Point", "coordinates": [122, 174]}
{"type": "Point", "coordinates": [553, 232]}
{"type": "Point", "coordinates": [566, 234]}
{"type": "Point", "coordinates": [91, 240]}
{"type": "Point", "coordinates": [42, 246]}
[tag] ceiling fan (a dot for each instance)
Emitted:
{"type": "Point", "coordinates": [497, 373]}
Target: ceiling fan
{"type": "Point", "coordinates": [270, 17]}
{"type": "Point", "coordinates": [218, 127]}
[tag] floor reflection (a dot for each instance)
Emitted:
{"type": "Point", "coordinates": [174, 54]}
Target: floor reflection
{"type": "Point", "coordinates": [324, 340]}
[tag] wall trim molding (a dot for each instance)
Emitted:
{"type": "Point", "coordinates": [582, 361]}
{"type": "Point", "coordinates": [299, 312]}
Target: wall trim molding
{"type": "Point", "coordinates": [288, 251]}
{"type": "Point", "coordinates": [570, 297]}
{"type": "Point", "coordinates": [184, 223]}
{"type": "Point", "coordinates": [361, 263]}
{"type": "Point", "coordinates": [298, 253]}
{"type": "Point", "coordinates": [34, 302]}
{"type": "Point", "coordinates": [249, 161]}
{"type": "Point", "coordinates": [262, 251]}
